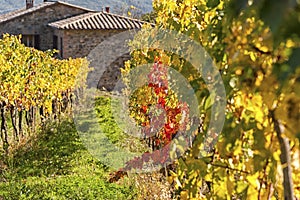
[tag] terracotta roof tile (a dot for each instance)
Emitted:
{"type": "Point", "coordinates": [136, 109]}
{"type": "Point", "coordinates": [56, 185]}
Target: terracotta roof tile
{"type": "Point", "coordinates": [97, 20]}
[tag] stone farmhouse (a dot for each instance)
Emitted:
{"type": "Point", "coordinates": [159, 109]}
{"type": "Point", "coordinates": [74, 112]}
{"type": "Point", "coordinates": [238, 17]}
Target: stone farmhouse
{"type": "Point", "coordinates": [71, 29]}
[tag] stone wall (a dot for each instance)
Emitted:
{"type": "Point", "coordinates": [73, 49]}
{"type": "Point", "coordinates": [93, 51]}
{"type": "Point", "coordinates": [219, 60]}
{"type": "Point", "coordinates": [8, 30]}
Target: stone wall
{"type": "Point", "coordinates": [112, 75]}
{"type": "Point", "coordinates": [79, 43]}
{"type": "Point", "coordinates": [36, 23]}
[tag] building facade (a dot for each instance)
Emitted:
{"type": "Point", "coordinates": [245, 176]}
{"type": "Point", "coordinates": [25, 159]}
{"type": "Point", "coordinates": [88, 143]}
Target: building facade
{"type": "Point", "coordinates": [73, 30]}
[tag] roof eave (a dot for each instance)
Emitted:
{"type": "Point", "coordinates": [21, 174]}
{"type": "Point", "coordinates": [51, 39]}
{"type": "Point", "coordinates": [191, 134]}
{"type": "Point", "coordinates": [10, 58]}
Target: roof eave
{"type": "Point", "coordinates": [109, 22]}
{"type": "Point", "coordinates": [34, 9]}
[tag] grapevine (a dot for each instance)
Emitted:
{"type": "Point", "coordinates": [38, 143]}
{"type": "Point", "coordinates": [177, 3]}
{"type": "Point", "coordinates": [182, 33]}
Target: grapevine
{"type": "Point", "coordinates": [34, 85]}
{"type": "Point", "coordinates": [156, 108]}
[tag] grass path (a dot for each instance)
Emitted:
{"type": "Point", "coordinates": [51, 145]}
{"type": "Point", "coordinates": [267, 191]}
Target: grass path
{"type": "Point", "coordinates": [56, 165]}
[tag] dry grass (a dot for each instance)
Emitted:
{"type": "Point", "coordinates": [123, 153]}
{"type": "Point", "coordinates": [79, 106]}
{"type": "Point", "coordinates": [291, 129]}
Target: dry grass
{"type": "Point", "coordinates": [152, 186]}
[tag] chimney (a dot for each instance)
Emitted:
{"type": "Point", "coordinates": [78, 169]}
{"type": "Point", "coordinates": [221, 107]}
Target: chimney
{"type": "Point", "coordinates": [107, 9]}
{"type": "Point", "coordinates": [29, 4]}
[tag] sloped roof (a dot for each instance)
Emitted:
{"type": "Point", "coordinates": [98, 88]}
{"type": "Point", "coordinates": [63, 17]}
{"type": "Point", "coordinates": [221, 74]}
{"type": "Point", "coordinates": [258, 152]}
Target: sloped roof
{"type": "Point", "coordinates": [24, 11]}
{"type": "Point", "coordinates": [97, 21]}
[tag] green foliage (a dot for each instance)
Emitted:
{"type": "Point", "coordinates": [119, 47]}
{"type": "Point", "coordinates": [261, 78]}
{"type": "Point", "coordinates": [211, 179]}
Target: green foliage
{"type": "Point", "coordinates": [149, 17]}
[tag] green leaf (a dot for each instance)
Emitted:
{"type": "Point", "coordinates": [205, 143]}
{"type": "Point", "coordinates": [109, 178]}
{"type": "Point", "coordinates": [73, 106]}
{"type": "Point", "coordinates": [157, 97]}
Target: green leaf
{"type": "Point", "coordinates": [285, 70]}
{"type": "Point", "coordinates": [212, 3]}
{"type": "Point", "coordinates": [207, 103]}
{"type": "Point", "coordinates": [274, 14]}
{"type": "Point", "coordinates": [235, 7]}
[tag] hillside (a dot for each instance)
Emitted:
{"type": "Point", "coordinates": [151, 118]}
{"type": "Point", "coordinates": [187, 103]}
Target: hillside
{"type": "Point", "coordinates": [117, 6]}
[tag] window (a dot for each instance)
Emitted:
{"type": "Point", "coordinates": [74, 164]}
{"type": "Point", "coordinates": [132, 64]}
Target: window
{"type": "Point", "coordinates": [61, 48]}
{"type": "Point", "coordinates": [55, 42]}
{"type": "Point", "coordinates": [31, 41]}
{"type": "Point", "coordinates": [58, 45]}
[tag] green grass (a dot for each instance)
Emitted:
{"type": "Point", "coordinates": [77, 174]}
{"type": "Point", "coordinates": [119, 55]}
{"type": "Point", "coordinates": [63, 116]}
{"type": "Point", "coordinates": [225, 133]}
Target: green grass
{"type": "Point", "coordinates": [114, 128]}
{"type": "Point", "coordinates": [56, 165]}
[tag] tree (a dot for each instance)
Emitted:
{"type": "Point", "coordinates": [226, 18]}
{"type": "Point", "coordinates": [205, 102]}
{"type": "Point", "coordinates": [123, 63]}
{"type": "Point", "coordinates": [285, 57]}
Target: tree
{"type": "Point", "coordinates": [149, 17]}
{"type": "Point", "coordinates": [128, 9]}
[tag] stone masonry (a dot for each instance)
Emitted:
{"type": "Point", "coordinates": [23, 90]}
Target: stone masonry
{"type": "Point", "coordinates": [79, 43]}
{"type": "Point", "coordinates": [36, 23]}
